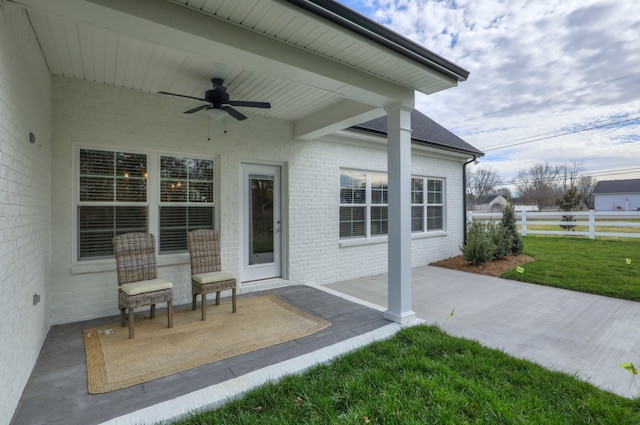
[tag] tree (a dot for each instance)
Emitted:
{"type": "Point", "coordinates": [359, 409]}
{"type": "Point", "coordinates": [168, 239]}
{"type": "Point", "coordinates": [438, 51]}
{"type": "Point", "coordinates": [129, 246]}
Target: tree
{"type": "Point", "coordinates": [508, 221]}
{"type": "Point", "coordinates": [568, 175]}
{"type": "Point", "coordinates": [570, 201]}
{"type": "Point", "coordinates": [585, 186]}
{"type": "Point", "coordinates": [537, 185]}
{"type": "Point", "coordinates": [482, 182]}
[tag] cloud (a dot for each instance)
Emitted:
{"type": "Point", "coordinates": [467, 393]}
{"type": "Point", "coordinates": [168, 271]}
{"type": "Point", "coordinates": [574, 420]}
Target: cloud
{"type": "Point", "coordinates": [536, 68]}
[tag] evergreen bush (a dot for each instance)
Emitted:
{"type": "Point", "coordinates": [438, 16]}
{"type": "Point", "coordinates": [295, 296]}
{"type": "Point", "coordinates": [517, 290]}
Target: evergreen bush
{"type": "Point", "coordinates": [509, 223]}
{"type": "Point", "coordinates": [479, 247]}
{"type": "Point", "coordinates": [501, 239]}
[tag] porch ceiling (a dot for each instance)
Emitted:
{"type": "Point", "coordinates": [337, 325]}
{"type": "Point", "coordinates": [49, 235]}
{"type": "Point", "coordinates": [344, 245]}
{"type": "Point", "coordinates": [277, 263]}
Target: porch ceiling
{"type": "Point", "coordinates": [314, 72]}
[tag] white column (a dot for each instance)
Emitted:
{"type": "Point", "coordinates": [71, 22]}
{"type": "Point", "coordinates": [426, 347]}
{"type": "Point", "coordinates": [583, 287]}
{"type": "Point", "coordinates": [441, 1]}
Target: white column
{"type": "Point", "coordinates": [399, 165]}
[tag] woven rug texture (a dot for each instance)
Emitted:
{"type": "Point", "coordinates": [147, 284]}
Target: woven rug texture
{"type": "Point", "coordinates": [114, 361]}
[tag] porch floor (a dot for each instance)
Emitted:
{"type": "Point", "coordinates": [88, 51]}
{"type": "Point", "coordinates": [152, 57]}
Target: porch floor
{"type": "Point", "coordinates": [56, 392]}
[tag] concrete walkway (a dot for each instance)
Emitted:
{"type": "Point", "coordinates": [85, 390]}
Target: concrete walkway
{"type": "Point", "coordinates": [588, 336]}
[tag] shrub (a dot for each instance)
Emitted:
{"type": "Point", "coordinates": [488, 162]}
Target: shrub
{"type": "Point", "coordinates": [501, 239]}
{"type": "Point", "coordinates": [509, 223]}
{"type": "Point", "coordinates": [479, 248]}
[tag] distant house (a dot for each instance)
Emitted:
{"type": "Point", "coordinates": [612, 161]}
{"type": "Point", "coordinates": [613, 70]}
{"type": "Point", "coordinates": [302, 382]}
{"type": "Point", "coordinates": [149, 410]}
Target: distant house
{"type": "Point", "coordinates": [617, 195]}
{"type": "Point", "coordinates": [490, 203]}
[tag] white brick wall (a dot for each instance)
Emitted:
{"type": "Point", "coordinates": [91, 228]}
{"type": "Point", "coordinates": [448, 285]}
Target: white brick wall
{"type": "Point", "coordinates": [25, 92]}
{"type": "Point", "coordinates": [95, 115]}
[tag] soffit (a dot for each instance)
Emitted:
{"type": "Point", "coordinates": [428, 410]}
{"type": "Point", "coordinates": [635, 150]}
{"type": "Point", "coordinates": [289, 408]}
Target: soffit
{"type": "Point", "coordinates": [351, 68]}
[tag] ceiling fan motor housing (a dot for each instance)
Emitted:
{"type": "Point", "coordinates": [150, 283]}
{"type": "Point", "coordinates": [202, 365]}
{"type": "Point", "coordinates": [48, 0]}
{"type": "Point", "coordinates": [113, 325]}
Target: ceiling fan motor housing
{"type": "Point", "coordinates": [217, 96]}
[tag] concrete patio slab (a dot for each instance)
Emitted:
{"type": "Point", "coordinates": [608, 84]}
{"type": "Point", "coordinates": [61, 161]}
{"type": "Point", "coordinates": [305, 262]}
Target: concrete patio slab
{"type": "Point", "coordinates": [585, 335]}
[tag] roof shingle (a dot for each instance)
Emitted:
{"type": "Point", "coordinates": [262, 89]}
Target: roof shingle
{"type": "Point", "coordinates": [618, 186]}
{"type": "Point", "coordinates": [425, 131]}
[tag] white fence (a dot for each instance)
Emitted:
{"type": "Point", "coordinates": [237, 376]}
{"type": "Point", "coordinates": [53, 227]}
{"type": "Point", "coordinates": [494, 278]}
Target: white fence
{"type": "Point", "coordinates": [587, 223]}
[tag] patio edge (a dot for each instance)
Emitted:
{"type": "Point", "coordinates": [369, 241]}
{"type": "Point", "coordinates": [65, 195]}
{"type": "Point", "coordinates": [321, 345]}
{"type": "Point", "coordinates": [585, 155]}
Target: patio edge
{"type": "Point", "coordinates": [216, 395]}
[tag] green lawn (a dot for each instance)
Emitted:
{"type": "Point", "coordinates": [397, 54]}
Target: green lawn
{"type": "Point", "coordinates": [423, 376]}
{"type": "Point", "coordinates": [595, 266]}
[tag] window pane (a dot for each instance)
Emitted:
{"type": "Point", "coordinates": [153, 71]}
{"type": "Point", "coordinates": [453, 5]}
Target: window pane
{"type": "Point", "coordinates": [435, 219]}
{"type": "Point", "coordinates": [379, 221]}
{"type": "Point", "coordinates": [96, 189]}
{"type": "Point", "coordinates": [352, 222]}
{"type": "Point", "coordinates": [200, 169]}
{"type": "Point", "coordinates": [131, 189]}
{"type": "Point", "coordinates": [112, 176]}
{"type": "Point", "coordinates": [98, 225]}
{"type": "Point", "coordinates": [379, 189]}
{"type": "Point", "coordinates": [200, 192]}
{"type": "Point", "coordinates": [417, 219]}
{"type": "Point", "coordinates": [417, 191]}
{"type": "Point", "coordinates": [173, 191]}
{"type": "Point", "coordinates": [352, 187]}
{"type": "Point", "coordinates": [97, 163]}
{"type": "Point", "coordinates": [186, 180]}
{"type": "Point", "coordinates": [434, 188]}
{"type": "Point", "coordinates": [176, 222]}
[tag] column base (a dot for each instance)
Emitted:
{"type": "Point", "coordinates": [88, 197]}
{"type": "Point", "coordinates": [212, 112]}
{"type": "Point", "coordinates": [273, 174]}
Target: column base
{"type": "Point", "coordinates": [401, 318]}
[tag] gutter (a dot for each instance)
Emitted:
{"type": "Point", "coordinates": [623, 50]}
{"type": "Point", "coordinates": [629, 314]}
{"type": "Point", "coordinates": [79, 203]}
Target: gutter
{"type": "Point", "coordinates": [464, 199]}
{"type": "Point", "coordinates": [343, 16]}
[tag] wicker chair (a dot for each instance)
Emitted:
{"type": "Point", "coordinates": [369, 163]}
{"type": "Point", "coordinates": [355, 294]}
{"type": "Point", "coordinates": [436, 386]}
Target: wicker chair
{"type": "Point", "coordinates": [206, 277]}
{"type": "Point", "coordinates": [138, 284]}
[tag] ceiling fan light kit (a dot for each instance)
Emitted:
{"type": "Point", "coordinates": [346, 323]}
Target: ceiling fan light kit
{"type": "Point", "coordinates": [218, 102]}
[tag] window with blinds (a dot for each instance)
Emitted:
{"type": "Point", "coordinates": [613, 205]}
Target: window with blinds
{"type": "Point", "coordinates": [364, 198]}
{"type": "Point", "coordinates": [112, 199]}
{"type": "Point", "coordinates": [352, 204]}
{"type": "Point", "coordinates": [118, 194]}
{"type": "Point", "coordinates": [186, 200]}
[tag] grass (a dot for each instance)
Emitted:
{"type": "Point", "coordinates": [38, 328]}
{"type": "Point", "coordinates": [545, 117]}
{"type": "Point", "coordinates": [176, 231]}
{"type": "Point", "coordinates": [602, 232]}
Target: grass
{"type": "Point", "coordinates": [423, 376]}
{"type": "Point", "coordinates": [595, 266]}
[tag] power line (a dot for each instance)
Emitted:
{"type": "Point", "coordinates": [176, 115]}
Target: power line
{"type": "Point", "coordinates": [562, 134]}
{"type": "Point", "coordinates": [594, 174]}
{"type": "Point", "coordinates": [555, 133]}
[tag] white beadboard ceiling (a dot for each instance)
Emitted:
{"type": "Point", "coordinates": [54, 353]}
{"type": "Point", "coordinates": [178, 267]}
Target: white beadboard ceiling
{"type": "Point", "coordinates": [266, 50]}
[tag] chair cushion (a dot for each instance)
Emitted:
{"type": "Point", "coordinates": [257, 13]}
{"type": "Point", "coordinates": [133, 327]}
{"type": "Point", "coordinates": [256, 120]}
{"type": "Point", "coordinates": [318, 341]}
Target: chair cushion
{"type": "Point", "coordinates": [135, 288]}
{"type": "Point", "coordinates": [212, 277]}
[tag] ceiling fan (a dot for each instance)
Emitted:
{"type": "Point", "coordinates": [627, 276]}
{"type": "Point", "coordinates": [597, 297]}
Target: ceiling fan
{"type": "Point", "coordinates": [218, 98]}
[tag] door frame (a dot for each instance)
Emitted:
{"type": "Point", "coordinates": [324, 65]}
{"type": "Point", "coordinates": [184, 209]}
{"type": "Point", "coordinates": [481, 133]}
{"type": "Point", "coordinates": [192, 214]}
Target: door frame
{"type": "Point", "coordinates": [283, 206]}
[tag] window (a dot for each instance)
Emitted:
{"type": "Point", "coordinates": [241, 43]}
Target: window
{"type": "Point", "coordinates": [363, 204]}
{"type": "Point", "coordinates": [379, 200]}
{"type": "Point", "coordinates": [364, 199]}
{"type": "Point", "coordinates": [352, 204]}
{"type": "Point", "coordinates": [433, 207]}
{"type": "Point", "coordinates": [118, 194]}
{"type": "Point", "coordinates": [112, 199]}
{"type": "Point", "coordinates": [186, 200]}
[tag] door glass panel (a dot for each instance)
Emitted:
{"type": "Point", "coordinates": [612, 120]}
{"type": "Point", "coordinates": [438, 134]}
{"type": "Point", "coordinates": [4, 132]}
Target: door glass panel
{"type": "Point", "coordinates": [261, 243]}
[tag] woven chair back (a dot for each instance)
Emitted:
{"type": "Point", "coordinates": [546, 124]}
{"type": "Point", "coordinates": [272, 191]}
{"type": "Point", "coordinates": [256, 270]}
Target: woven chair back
{"type": "Point", "coordinates": [135, 257]}
{"type": "Point", "coordinates": [204, 251]}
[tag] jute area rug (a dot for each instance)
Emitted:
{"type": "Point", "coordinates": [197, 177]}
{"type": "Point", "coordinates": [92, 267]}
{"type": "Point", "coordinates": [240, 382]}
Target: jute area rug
{"type": "Point", "coordinates": [114, 361]}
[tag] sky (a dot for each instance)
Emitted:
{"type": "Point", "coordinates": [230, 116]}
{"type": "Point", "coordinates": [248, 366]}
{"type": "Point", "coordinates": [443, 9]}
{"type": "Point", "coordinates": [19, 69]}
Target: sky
{"type": "Point", "coordinates": [550, 81]}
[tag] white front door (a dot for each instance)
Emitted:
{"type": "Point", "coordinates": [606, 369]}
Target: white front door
{"type": "Point", "coordinates": [262, 231]}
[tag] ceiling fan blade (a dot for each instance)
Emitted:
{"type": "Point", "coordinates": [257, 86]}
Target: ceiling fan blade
{"type": "Point", "coordinates": [196, 109]}
{"type": "Point", "coordinates": [181, 95]}
{"type": "Point", "coordinates": [265, 105]}
{"type": "Point", "coordinates": [235, 114]}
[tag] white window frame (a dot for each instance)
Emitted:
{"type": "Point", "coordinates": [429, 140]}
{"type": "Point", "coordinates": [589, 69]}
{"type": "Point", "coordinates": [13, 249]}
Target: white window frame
{"type": "Point", "coordinates": [152, 204]}
{"type": "Point", "coordinates": [368, 236]}
{"type": "Point", "coordinates": [425, 204]}
{"type": "Point", "coordinates": [367, 205]}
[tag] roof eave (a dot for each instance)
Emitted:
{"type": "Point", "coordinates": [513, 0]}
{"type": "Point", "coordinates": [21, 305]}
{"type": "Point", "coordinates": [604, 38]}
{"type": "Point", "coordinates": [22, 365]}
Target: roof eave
{"type": "Point", "coordinates": [474, 153]}
{"type": "Point", "coordinates": [361, 25]}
